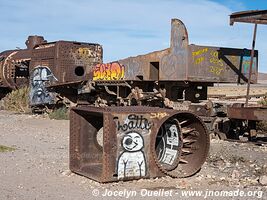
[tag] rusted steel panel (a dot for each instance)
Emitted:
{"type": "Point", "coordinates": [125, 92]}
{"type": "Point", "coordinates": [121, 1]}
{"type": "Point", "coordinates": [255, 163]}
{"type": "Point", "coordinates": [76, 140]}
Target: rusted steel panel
{"type": "Point", "coordinates": [59, 63]}
{"type": "Point", "coordinates": [168, 64]}
{"type": "Point", "coordinates": [14, 68]}
{"type": "Point", "coordinates": [174, 65]}
{"type": "Point", "coordinates": [216, 64]}
{"type": "Point", "coordinates": [125, 143]}
{"type": "Point", "coordinates": [247, 113]}
{"type": "Point", "coordinates": [252, 16]}
{"type": "Point", "coordinates": [184, 62]}
{"type": "Point", "coordinates": [14, 64]}
{"type": "Point", "coordinates": [141, 67]}
{"type": "Point", "coordinates": [103, 159]}
{"type": "Point", "coordinates": [69, 61]}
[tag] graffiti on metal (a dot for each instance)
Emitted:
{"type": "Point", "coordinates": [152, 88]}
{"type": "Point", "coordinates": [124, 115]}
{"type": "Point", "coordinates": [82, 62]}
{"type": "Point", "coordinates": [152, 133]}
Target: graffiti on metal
{"type": "Point", "coordinates": [215, 70]}
{"type": "Point", "coordinates": [84, 52]}
{"type": "Point", "coordinates": [109, 71]}
{"type": "Point", "coordinates": [246, 63]}
{"type": "Point", "coordinates": [215, 60]}
{"type": "Point", "coordinates": [132, 162]}
{"type": "Point", "coordinates": [40, 76]}
{"type": "Point", "coordinates": [195, 54]}
{"type": "Point", "coordinates": [132, 129]}
{"type": "Point", "coordinates": [215, 65]}
{"type": "Point", "coordinates": [158, 115]}
{"type": "Point", "coordinates": [87, 55]}
{"type": "Point", "coordinates": [167, 153]}
{"type": "Point", "coordinates": [134, 121]}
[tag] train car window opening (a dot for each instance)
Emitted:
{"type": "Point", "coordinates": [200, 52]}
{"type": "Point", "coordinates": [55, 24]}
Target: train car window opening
{"type": "Point", "coordinates": [79, 71]}
{"type": "Point", "coordinates": [140, 77]}
{"type": "Point", "coordinates": [154, 71]}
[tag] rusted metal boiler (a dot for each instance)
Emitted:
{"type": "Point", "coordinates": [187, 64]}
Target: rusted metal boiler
{"type": "Point", "coordinates": [43, 63]}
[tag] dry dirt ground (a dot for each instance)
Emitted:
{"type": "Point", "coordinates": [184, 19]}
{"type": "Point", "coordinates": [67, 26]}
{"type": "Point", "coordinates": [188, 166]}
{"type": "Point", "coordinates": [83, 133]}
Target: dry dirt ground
{"type": "Point", "coordinates": [235, 90]}
{"type": "Point", "coordinates": [38, 168]}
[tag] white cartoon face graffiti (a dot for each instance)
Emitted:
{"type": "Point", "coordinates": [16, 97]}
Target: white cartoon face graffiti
{"type": "Point", "coordinates": [132, 142]}
{"type": "Point", "coordinates": [168, 145]}
{"type": "Point", "coordinates": [132, 161]}
{"type": "Point", "coordinates": [172, 135]}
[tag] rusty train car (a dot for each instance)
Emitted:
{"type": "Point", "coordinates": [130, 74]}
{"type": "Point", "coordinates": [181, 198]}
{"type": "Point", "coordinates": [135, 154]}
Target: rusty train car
{"type": "Point", "coordinates": [182, 71]}
{"type": "Point", "coordinates": [176, 80]}
{"type": "Point", "coordinates": [45, 62]}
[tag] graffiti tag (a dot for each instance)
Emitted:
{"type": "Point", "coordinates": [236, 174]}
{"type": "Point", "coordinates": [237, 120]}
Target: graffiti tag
{"type": "Point", "coordinates": [246, 63]}
{"type": "Point", "coordinates": [199, 60]}
{"type": "Point", "coordinates": [214, 59]}
{"type": "Point", "coordinates": [197, 53]}
{"type": "Point", "coordinates": [216, 70]}
{"type": "Point", "coordinates": [158, 115]}
{"type": "Point", "coordinates": [201, 51]}
{"type": "Point", "coordinates": [109, 71]}
{"type": "Point", "coordinates": [134, 122]}
{"type": "Point", "coordinates": [86, 55]}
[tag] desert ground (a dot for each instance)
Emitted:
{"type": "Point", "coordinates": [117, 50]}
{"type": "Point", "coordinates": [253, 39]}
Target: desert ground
{"type": "Point", "coordinates": [235, 90]}
{"type": "Point", "coordinates": [37, 168]}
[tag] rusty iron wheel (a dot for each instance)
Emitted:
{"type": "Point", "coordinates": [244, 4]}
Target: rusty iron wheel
{"type": "Point", "coordinates": [168, 144]}
{"type": "Point", "coordinates": [194, 149]}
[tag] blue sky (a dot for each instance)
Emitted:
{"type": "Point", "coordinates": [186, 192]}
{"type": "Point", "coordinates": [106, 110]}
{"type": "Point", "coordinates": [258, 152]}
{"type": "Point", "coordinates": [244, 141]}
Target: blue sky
{"type": "Point", "coordinates": [129, 27]}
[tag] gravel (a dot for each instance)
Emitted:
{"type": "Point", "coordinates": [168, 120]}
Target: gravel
{"type": "Point", "coordinates": [38, 168]}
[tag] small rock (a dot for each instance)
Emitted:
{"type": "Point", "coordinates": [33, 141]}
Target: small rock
{"type": "Point", "coordinates": [66, 172]}
{"type": "Point", "coordinates": [263, 180]}
{"type": "Point", "coordinates": [235, 174]}
{"type": "Point", "coordinates": [252, 165]}
{"type": "Point", "coordinates": [228, 164]}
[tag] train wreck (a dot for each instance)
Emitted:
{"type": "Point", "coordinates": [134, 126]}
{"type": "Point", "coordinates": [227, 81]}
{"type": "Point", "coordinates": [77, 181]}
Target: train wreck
{"type": "Point", "coordinates": [175, 79]}
{"type": "Point", "coordinates": [145, 116]}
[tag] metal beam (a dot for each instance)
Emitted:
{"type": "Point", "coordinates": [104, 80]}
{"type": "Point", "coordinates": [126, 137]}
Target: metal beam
{"type": "Point", "coordinates": [253, 16]}
{"type": "Point", "coordinates": [251, 62]}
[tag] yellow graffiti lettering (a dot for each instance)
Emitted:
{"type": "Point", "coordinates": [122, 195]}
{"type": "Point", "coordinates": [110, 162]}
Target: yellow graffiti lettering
{"type": "Point", "coordinates": [216, 70]}
{"type": "Point", "coordinates": [83, 52]}
{"type": "Point", "coordinates": [199, 60]}
{"type": "Point", "coordinates": [214, 54]}
{"type": "Point", "coordinates": [109, 71]}
{"type": "Point", "coordinates": [234, 59]}
{"type": "Point", "coordinates": [201, 51]}
{"type": "Point", "coordinates": [158, 115]}
{"type": "Point", "coordinates": [215, 60]}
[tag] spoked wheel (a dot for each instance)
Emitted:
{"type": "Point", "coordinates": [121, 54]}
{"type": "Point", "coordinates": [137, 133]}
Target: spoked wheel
{"type": "Point", "coordinates": [192, 148]}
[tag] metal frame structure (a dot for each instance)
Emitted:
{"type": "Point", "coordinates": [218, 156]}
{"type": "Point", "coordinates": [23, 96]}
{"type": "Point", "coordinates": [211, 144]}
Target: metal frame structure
{"type": "Point", "coordinates": [255, 17]}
